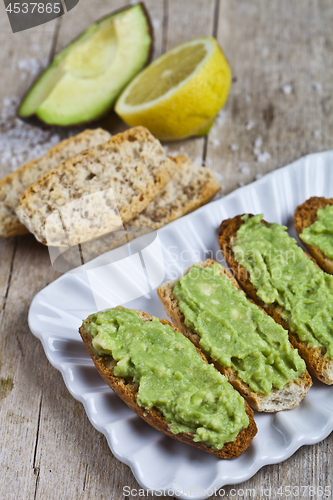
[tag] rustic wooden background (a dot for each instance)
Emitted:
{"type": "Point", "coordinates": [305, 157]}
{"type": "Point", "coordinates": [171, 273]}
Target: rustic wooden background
{"type": "Point", "coordinates": [279, 109]}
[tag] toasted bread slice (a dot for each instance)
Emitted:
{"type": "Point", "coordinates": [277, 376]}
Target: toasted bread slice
{"type": "Point", "coordinates": [127, 390]}
{"type": "Point", "coordinates": [191, 187]}
{"type": "Point", "coordinates": [13, 185]}
{"type": "Point", "coordinates": [96, 191]}
{"type": "Point", "coordinates": [305, 216]}
{"type": "Point", "coordinates": [317, 364]}
{"type": "Point", "coordinates": [286, 398]}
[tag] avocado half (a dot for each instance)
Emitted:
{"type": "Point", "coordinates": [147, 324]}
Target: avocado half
{"type": "Point", "coordinates": [85, 78]}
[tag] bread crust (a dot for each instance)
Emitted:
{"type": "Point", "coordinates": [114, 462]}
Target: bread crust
{"type": "Point", "coordinates": [318, 365]}
{"type": "Point", "coordinates": [127, 391]}
{"type": "Point", "coordinates": [305, 216]}
{"type": "Point", "coordinates": [288, 397]}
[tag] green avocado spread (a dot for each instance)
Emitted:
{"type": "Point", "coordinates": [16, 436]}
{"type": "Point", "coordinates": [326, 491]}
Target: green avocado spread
{"type": "Point", "coordinates": [235, 332]}
{"type": "Point", "coordinates": [281, 273]}
{"type": "Point", "coordinates": [192, 395]}
{"type": "Point", "coordinates": [320, 233]}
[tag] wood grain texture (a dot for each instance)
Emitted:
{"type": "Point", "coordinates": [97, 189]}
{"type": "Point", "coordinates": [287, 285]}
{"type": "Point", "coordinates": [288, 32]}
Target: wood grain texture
{"type": "Point", "coordinates": [49, 450]}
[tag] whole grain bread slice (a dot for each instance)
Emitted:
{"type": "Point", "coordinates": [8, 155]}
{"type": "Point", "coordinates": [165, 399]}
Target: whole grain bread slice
{"type": "Point", "coordinates": [317, 364]}
{"type": "Point", "coordinates": [127, 390]}
{"type": "Point", "coordinates": [191, 187]}
{"type": "Point", "coordinates": [305, 216]}
{"type": "Point", "coordinates": [97, 190]}
{"type": "Point", "coordinates": [286, 398]}
{"type": "Point", "coordinates": [13, 185]}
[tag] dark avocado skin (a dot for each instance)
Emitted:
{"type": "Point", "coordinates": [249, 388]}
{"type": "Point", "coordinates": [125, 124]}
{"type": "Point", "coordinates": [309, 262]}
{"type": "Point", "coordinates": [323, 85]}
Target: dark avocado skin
{"type": "Point", "coordinates": [35, 121]}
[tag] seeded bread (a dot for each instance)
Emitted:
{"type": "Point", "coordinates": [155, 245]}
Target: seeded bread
{"type": "Point", "coordinates": [287, 397]}
{"type": "Point", "coordinates": [13, 185]}
{"type": "Point", "coordinates": [96, 191]}
{"type": "Point", "coordinates": [191, 187]}
{"type": "Point", "coordinates": [127, 391]}
{"type": "Point", "coordinates": [305, 216]}
{"type": "Point", "coordinates": [317, 364]}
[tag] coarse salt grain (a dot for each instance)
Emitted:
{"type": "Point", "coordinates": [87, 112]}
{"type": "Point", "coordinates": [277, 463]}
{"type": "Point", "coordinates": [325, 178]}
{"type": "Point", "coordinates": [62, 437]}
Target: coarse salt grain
{"type": "Point", "coordinates": [287, 89]}
{"type": "Point", "coordinates": [244, 168]}
{"type": "Point", "coordinates": [234, 147]}
{"type": "Point", "coordinates": [263, 157]}
{"type": "Point", "coordinates": [249, 125]}
{"type": "Point", "coordinates": [258, 142]}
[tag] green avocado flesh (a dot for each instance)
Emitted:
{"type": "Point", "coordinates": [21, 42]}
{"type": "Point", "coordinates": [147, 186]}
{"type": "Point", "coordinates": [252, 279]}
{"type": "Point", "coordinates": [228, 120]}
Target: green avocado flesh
{"type": "Point", "coordinates": [192, 395]}
{"type": "Point", "coordinates": [85, 78]}
{"type": "Point", "coordinates": [235, 332]}
{"type": "Point", "coordinates": [282, 274]}
{"type": "Point", "coordinates": [320, 233]}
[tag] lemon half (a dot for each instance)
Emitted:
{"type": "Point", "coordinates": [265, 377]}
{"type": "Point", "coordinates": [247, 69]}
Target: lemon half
{"type": "Point", "coordinates": [180, 93]}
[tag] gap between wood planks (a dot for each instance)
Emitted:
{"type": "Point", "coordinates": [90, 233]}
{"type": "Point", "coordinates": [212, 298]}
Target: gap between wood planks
{"type": "Point", "coordinates": [215, 29]}
{"type": "Point", "coordinates": [37, 469]}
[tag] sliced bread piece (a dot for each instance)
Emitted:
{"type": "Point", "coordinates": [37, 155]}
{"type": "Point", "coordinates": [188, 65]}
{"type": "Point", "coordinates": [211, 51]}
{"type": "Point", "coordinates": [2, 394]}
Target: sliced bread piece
{"type": "Point", "coordinates": [191, 187]}
{"type": "Point", "coordinates": [317, 363]}
{"type": "Point", "coordinates": [96, 191]}
{"type": "Point", "coordinates": [305, 216]}
{"type": "Point", "coordinates": [13, 185]}
{"type": "Point", "coordinates": [279, 399]}
{"type": "Point", "coordinates": [128, 390]}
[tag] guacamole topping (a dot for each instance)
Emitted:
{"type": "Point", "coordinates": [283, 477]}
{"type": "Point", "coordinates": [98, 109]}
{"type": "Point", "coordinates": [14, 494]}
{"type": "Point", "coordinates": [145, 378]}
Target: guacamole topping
{"type": "Point", "coordinates": [320, 233]}
{"type": "Point", "coordinates": [235, 332]}
{"type": "Point", "coordinates": [172, 376]}
{"type": "Point", "coordinates": [281, 273]}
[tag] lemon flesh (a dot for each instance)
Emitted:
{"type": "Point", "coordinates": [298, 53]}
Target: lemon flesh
{"type": "Point", "coordinates": [180, 93]}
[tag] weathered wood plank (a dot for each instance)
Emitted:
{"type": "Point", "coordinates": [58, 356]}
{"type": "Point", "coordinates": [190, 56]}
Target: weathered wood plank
{"type": "Point", "coordinates": [282, 96]}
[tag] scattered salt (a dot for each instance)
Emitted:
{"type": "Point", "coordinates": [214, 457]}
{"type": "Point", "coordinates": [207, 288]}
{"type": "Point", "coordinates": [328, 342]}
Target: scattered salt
{"type": "Point", "coordinates": [156, 23]}
{"type": "Point", "coordinates": [287, 89]}
{"type": "Point", "coordinates": [241, 184]}
{"type": "Point", "coordinates": [256, 151]}
{"type": "Point", "coordinates": [220, 119]}
{"type": "Point", "coordinates": [263, 157]}
{"type": "Point", "coordinates": [21, 142]}
{"type": "Point", "coordinates": [317, 86]}
{"type": "Point", "coordinates": [317, 133]}
{"type": "Point", "coordinates": [243, 167]}
{"type": "Point", "coordinates": [234, 147]}
{"type": "Point", "coordinates": [249, 125]}
{"type": "Point", "coordinates": [32, 65]}
{"type": "Point", "coordinates": [248, 98]}
{"type": "Point", "coordinates": [215, 142]}
{"type": "Point", "coordinates": [258, 142]}
{"type": "Point", "coordinates": [258, 176]}
{"type": "Point", "coordinates": [198, 161]}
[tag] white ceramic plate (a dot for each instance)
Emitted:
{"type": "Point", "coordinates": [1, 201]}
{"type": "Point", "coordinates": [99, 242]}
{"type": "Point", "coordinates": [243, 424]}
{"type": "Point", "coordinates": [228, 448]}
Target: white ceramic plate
{"type": "Point", "coordinates": [56, 312]}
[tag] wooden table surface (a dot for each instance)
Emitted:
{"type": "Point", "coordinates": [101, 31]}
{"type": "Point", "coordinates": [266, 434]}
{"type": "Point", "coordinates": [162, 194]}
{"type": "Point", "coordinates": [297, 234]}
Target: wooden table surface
{"type": "Point", "coordinates": [281, 54]}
